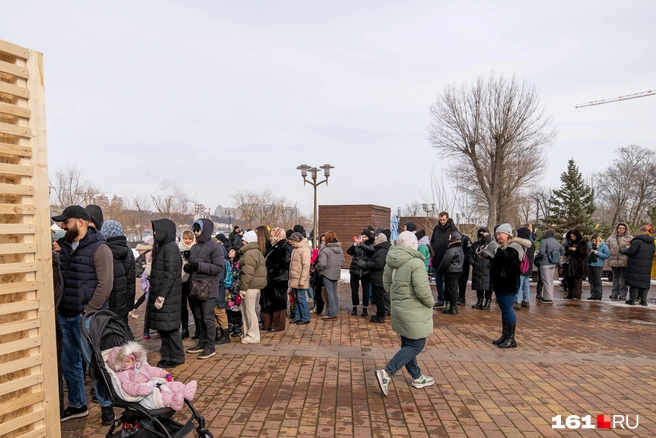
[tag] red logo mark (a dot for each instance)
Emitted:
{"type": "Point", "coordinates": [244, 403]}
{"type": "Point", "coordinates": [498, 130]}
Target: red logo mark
{"type": "Point", "coordinates": [603, 421]}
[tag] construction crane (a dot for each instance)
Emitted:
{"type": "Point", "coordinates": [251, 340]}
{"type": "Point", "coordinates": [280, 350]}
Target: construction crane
{"type": "Point", "coordinates": [618, 99]}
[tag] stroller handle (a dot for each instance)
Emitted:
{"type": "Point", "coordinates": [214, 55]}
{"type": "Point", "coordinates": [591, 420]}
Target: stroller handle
{"type": "Point", "coordinates": [83, 326]}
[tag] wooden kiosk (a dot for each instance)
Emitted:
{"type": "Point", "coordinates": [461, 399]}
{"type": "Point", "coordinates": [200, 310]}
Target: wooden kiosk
{"type": "Point", "coordinates": [29, 404]}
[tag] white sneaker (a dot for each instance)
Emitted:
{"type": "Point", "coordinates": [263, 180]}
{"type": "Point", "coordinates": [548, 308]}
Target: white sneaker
{"type": "Point", "coordinates": [383, 380]}
{"type": "Point", "coordinates": [423, 381]}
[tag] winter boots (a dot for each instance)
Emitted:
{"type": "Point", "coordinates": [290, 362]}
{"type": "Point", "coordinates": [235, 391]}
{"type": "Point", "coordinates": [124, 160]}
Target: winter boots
{"type": "Point", "coordinates": [509, 342]}
{"type": "Point", "coordinates": [223, 339]}
{"type": "Point", "coordinates": [504, 334]}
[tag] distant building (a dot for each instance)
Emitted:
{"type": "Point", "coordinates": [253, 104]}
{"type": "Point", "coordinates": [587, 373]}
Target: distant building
{"type": "Point", "coordinates": [117, 201]}
{"type": "Point", "coordinates": [101, 201]}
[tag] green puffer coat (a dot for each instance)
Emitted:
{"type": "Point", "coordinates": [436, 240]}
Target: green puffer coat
{"type": "Point", "coordinates": [252, 268]}
{"type": "Point", "coordinates": [412, 300]}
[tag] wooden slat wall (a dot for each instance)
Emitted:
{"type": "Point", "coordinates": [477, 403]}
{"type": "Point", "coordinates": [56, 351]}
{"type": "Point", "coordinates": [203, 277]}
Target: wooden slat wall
{"type": "Point", "coordinates": [28, 359]}
{"type": "Point", "coordinates": [349, 220]}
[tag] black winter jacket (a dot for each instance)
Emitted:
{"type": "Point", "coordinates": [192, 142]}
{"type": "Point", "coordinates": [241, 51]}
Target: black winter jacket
{"type": "Point", "coordinates": [466, 250]}
{"type": "Point", "coordinates": [453, 259]}
{"type": "Point", "coordinates": [377, 264]}
{"type": "Point", "coordinates": [121, 300]}
{"type": "Point", "coordinates": [577, 266]}
{"type": "Point", "coordinates": [505, 272]}
{"type": "Point", "coordinates": [358, 252]}
{"type": "Point", "coordinates": [165, 278]}
{"type": "Point", "coordinates": [641, 253]}
{"type": "Point", "coordinates": [274, 295]}
{"type": "Point", "coordinates": [440, 240]}
{"type": "Point", "coordinates": [234, 242]}
{"type": "Point", "coordinates": [480, 269]}
{"type": "Point", "coordinates": [209, 256]}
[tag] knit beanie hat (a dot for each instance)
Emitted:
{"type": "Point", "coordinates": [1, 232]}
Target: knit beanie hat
{"type": "Point", "coordinates": [249, 236]}
{"type": "Point", "coordinates": [411, 226]}
{"type": "Point", "coordinates": [221, 238]}
{"type": "Point", "coordinates": [505, 229]}
{"type": "Point", "coordinates": [380, 239]}
{"type": "Point", "coordinates": [387, 233]}
{"type": "Point", "coordinates": [299, 229]}
{"type": "Point", "coordinates": [523, 232]}
{"type": "Point", "coordinates": [368, 233]}
{"type": "Point", "coordinates": [296, 236]}
{"type": "Point", "coordinates": [112, 229]}
{"type": "Point", "coordinates": [420, 234]}
{"type": "Point", "coordinates": [407, 239]}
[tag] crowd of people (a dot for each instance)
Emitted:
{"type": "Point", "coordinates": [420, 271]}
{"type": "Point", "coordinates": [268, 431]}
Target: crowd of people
{"type": "Point", "coordinates": [222, 281]}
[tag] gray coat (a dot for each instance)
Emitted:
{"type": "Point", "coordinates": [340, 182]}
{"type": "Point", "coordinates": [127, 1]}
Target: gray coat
{"type": "Point", "coordinates": [209, 256]}
{"type": "Point", "coordinates": [547, 246]}
{"type": "Point", "coordinates": [330, 261]}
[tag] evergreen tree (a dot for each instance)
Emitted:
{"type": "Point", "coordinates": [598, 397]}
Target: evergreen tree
{"type": "Point", "coordinates": [573, 204]}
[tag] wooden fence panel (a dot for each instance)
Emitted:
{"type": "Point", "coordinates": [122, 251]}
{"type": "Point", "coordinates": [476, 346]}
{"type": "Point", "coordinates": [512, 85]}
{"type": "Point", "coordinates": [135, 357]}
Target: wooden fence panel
{"type": "Point", "coordinates": [29, 404]}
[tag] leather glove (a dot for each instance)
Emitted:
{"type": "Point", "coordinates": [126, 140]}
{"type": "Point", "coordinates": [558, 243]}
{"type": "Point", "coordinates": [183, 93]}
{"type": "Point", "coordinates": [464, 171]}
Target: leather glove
{"type": "Point", "coordinates": [191, 267]}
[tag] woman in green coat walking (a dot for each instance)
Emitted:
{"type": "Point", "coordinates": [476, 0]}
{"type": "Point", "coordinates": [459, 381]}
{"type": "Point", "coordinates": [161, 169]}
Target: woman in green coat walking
{"type": "Point", "coordinates": [405, 280]}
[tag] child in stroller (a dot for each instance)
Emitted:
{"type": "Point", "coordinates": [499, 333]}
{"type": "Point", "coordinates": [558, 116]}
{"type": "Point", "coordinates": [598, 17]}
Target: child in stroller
{"type": "Point", "coordinates": [153, 386]}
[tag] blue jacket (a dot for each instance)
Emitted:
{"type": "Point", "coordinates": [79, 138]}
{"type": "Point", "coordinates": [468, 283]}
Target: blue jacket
{"type": "Point", "coordinates": [79, 272]}
{"type": "Point", "coordinates": [603, 254]}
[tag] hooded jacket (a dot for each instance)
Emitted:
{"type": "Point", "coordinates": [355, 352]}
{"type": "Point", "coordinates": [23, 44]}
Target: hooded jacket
{"type": "Point", "coordinates": [548, 246]}
{"type": "Point", "coordinates": [252, 268]}
{"type": "Point", "coordinates": [96, 215]}
{"type": "Point", "coordinates": [134, 380]}
{"type": "Point", "coordinates": [424, 249]}
{"type": "Point", "coordinates": [330, 261]}
{"type": "Point", "coordinates": [299, 267]}
{"type": "Point", "coordinates": [165, 278]}
{"type": "Point", "coordinates": [640, 254]}
{"type": "Point", "coordinates": [577, 266]}
{"type": "Point", "coordinates": [376, 265]}
{"type": "Point", "coordinates": [405, 279]}
{"type": "Point", "coordinates": [506, 260]}
{"type": "Point", "coordinates": [616, 242]}
{"type": "Point", "coordinates": [121, 300]}
{"type": "Point", "coordinates": [440, 240]}
{"type": "Point", "coordinates": [602, 254]}
{"type": "Point", "coordinates": [480, 265]}
{"type": "Point", "coordinates": [209, 256]}
{"type": "Point", "coordinates": [454, 256]}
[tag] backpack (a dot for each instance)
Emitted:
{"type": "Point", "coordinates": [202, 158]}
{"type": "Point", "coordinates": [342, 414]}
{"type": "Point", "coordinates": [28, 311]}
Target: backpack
{"type": "Point", "coordinates": [554, 257]}
{"type": "Point", "coordinates": [524, 266]}
{"type": "Point", "coordinates": [229, 279]}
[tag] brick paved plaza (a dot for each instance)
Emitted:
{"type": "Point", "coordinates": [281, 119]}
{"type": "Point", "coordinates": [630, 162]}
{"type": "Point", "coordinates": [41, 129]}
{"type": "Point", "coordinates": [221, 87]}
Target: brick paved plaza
{"type": "Point", "coordinates": [573, 358]}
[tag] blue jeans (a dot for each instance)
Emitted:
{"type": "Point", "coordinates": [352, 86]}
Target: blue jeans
{"type": "Point", "coordinates": [407, 356]}
{"type": "Point", "coordinates": [439, 285]}
{"type": "Point", "coordinates": [302, 312]}
{"type": "Point", "coordinates": [75, 349]}
{"type": "Point", "coordinates": [524, 293]}
{"type": "Point", "coordinates": [506, 304]}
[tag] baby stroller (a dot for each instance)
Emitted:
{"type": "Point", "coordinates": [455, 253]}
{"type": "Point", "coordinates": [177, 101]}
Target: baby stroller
{"type": "Point", "coordinates": [106, 331]}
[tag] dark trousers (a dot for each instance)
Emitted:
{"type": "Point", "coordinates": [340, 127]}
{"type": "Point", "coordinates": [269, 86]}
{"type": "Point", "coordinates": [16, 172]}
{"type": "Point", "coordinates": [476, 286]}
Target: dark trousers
{"type": "Point", "coordinates": [462, 281]}
{"type": "Point", "coordinates": [204, 317]}
{"type": "Point", "coordinates": [379, 300]}
{"type": "Point", "coordinates": [638, 292]}
{"type": "Point", "coordinates": [355, 283]}
{"type": "Point", "coordinates": [139, 302]}
{"type": "Point", "coordinates": [451, 287]}
{"type": "Point", "coordinates": [59, 336]}
{"type": "Point", "coordinates": [574, 287]}
{"type": "Point", "coordinates": [594, 277]}
{"type": "Point", "coordinates": [234, 318]}
{"type": "Point", "coordinates": [172, 349]}
{"type": "Point", "coordinates": [318, 298]}
{"type": "Point", "coordinates": [540, 286]}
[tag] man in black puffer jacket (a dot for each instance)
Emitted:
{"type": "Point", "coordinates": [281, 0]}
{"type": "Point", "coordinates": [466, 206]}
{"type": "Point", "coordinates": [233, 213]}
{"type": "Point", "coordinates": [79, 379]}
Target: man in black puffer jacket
{"type": "Point", "coordinates": [439, 243]}
{"type": "Point", "coordinates": [360, 250]}
{"type": "Point", "coordinates": [206, 264]}
{"type": "Point", "coordinates": [121, 300]}
{"type": "Point", "coordinates": [165, 296]}
{"type": "Point", "coordinates": [376, 266]}
{"type": "Point", "coordinates": [638, 272]}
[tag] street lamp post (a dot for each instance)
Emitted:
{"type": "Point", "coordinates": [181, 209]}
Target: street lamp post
{"type": "Point", "coordinates": [304, 168]}
{"type": "Point", "coordinates": [428, 208]}
{"type": "Point", "coordinates": [229, 212]}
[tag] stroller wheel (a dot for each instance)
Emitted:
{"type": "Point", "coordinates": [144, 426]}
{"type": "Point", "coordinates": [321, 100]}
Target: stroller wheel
{"type": "Point", "coordinates": [205, 434]}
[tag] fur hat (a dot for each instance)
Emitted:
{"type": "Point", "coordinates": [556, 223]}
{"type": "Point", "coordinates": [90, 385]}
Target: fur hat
{"type": "Point", "coordinates": [505, 229]}
{"type": "Point", "coordinates": [112, 229]}
{"type": "Point", "coordinates": [249, 237]}
{"type": "Point", "coordinates": [118, 355]}
{"type": "Point", "coordinates": [407, 239]}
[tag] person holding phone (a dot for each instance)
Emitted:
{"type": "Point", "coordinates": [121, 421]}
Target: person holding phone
{"type": "Point", "coordinates": [361, 251]}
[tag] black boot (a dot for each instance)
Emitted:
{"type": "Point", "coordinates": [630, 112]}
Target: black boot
{"type": "Point", "coordinates": [509, 342]}
{"type": "Point", "coordinates": [479, 303]}
{"type": "Point", "coordinates": [364, 311]}
{"type": "Point", "coordinates": [453, 310]}
{"type": "Point", "coordinates": [354, 312]}
{"type": "Point", "coordinates": [461, 301]}
{"type": "Point", "coordinates": [185, 332]}
{"type": "Point", "coordinates": [224, 338]}
{"type": "Point", "coordinates": [504, 334]}
{"type": "Point", "coordinates": [488, 300]}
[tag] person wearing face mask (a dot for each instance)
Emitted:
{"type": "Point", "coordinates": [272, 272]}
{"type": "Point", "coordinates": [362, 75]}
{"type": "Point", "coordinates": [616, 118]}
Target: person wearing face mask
{"type": "Point", "coordinates": [206, 263]}
{"type": "Point", "coordinates": [506, 254]}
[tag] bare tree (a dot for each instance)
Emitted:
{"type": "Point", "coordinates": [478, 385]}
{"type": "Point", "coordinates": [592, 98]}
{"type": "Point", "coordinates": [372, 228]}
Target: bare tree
{"type": "Point", "coordinates": [497, 131]}
{"type": "Point", "coordinates": [264, 208]}
{"type": "Point", "coordinates": [170, 206]}
{"type": "Point", "coordinates": [626, 187]}
{"type": "Point", "coordinates": [68, 187]}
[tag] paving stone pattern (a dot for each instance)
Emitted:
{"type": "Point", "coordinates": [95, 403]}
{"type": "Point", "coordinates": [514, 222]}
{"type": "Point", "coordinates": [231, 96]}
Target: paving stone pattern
{"type": "Point", "coordinates": [574, 358]}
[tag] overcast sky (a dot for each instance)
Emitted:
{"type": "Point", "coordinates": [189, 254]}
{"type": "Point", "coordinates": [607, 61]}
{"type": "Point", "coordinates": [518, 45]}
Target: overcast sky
{"type": "Point", "coordinates": [213, 97]}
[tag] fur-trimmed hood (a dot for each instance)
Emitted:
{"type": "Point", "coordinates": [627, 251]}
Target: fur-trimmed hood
{"type": "Point", "coordinates": [117, 355]}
